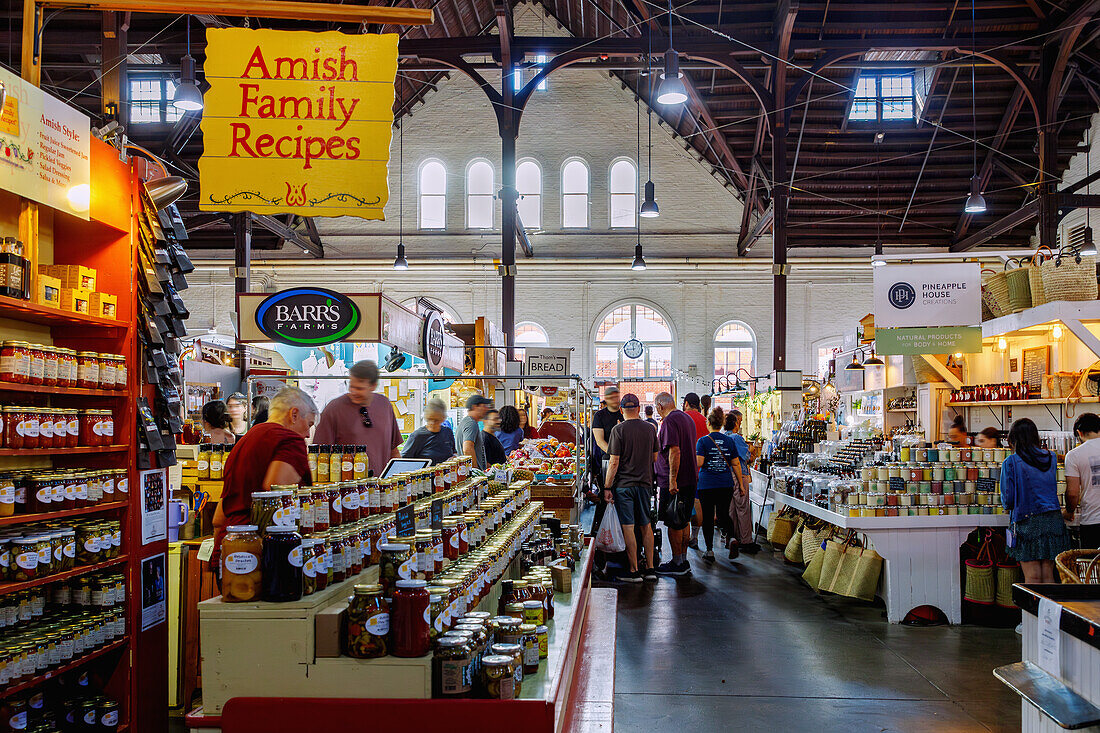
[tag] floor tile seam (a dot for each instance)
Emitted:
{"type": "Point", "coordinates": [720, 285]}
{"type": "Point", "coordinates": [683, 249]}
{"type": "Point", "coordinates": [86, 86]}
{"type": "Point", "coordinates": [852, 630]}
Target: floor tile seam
{"type": "Point", "coordinates": [790, 697]}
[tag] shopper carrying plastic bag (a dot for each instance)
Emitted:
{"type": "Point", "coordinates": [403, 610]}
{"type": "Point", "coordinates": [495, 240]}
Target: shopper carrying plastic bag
{"type": "Point", "coordinates": [610, 537]}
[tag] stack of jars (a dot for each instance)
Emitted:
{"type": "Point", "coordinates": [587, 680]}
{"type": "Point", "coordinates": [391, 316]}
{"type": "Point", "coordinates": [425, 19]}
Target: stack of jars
{"type": "Point", "coordinates": [41, 550]}
{"type": "Point", "coordinates": [49, 428]}
{"type": "Point", "coordinates": [211, 461]}
{"type": "Point", "coordinates": [53, 366]}
{"type": "Point", "coordinates": [72, 706]}
{"type": "Point", "coordinates": [54, 491]}
{"type": "Point", "coordinates": [51, 639]}
{"type": "Point", "coordinates": [402, 614]}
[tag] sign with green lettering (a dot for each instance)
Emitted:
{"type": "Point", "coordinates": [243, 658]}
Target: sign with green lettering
{"type": "Point", "coordinates": [941, 340]}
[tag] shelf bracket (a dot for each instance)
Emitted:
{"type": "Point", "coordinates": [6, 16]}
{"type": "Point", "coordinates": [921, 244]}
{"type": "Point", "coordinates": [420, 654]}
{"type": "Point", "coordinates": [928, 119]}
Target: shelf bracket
{"type": "Point", "coordinates": [944, 372]}
{"type": "Point", "coordinates": [1086, 336]}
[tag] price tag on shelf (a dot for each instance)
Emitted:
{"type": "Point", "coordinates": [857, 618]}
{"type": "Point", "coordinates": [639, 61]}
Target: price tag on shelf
{"type": "Point", "coordinates": [437, 514]}
{"type": "Point", "coordinates": [206, 549]}
{"type": "Point", "coordinates": [406, 521]}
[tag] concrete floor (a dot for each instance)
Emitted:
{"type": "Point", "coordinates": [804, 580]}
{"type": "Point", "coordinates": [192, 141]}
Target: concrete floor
{"type": "Point", "coordinates": [747, 646]}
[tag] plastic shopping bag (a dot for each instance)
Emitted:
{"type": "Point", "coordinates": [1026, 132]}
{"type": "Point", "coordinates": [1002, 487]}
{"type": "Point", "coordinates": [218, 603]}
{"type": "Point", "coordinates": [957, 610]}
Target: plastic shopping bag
{"type": "Point", "coordinates": [610, 537]}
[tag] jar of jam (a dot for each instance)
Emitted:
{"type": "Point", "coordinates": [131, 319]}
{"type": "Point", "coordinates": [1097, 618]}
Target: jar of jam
{"type": "Point", "coordinates": [321, 559]}
{"type": "Point", "coordinates": [410, 619]}
{"type": "Point", "coordinates": [335, 509]}
{"type": "Point", "coordinates": [46, 427]}
{"type": "Point", "coordinates": [425, 558]}
{"type": "Point", "coordinates": [30, 427]}
{"type": "Point", "coordinates": [66, 368]}
{"type": "Point", "coordinates": [367, 624]}
{"type": "Point", "coordinates": [121, 374]}
{"type": "Point", "coordinates": [309, 565]}
{"type": "Point", "coordinates": [281, 566]}
{"type": "Point", "coordinates": [50, 364]}
{"type": "Point", "coordinates": [38, 364]}
{"type": "Point", "coordinates": [13, 428]}
{"type": "Point", "coordinates": [319, 500]}
{"type": "Point", "coordinates": [89, 427]}
{"type": "Point", "coordinates": [338, 572]}
{"type": "Point", "coordinates": [374, 542]}
{"type": "Point", "coordinates": [304, 499]}
{"type": "Point", "coordinates": [71, 419]}
{"type": "Point", "coordinates": [87, 370]}
{"type": "Point", "coordinates": [370, 500]}
{"type": "Point", "coordinates": [529, 640]}
{"type": "Point", "coordinates": [349, 502]}
{"type": "Point", "coordinates": [15, 362]}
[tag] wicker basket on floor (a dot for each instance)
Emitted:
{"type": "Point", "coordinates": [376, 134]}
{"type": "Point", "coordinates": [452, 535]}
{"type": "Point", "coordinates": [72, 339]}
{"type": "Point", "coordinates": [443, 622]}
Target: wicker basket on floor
{"type": "Point", "coordinates": [1066, 562]}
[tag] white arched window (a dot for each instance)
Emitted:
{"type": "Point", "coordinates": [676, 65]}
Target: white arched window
{"type": "Point", "coordinates": [734, 349]}
{"type": "Point", "coordinates": [529, 185]}
{"type": "Point", "coordinates": [574, 194]}
{"type": "Point", "coordinates": [529, 333]}
{"type": "Point", "coordinates": [479, 195]}
{"type": "Point", "coordinates": [634, 321]}
{"type": "Point", "coordinates": [433, 195]}
{"type": "Point", "coordinates": [624, 194]}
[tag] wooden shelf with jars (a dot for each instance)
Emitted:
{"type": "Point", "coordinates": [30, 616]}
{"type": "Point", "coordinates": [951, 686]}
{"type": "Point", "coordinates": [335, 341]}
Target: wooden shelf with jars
{"type": "Point", "coordinates": [84, 511]}
{"type": "Point", "coordinates": [80, 661]}
{"type": "Point", "coordinates": [63, 391]}
{"type": "Point", "coordinates": [6, 588]}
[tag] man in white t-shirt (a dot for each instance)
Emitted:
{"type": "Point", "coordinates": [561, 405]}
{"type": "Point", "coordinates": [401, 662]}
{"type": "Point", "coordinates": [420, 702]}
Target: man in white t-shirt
{"type": "Point", "coordinates": [1083, 479]}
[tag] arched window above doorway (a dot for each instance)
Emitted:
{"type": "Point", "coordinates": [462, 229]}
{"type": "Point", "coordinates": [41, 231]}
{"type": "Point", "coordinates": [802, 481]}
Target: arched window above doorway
{"type": "Point", "coordinates": [529, 333]}
{"type": "Point", "coordinates": [734, 349]}
{"type": "Point", "coordinates": [633, 321]}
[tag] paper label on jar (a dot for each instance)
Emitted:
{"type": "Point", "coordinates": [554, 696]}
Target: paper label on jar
{"type": "Point", "coordinates": [5, 559]}
{"type": "Point", "coordinates": [339, 562]}
{"type": "Point", "coordinates": [7, 494]}
{"type": "Point", "coordinates": [58, 552]}
{"type": "Point", "coordinates": [283, 517]}
{"type": "Point", "coordinates": [109, 428]}
{"type": "Point", "coordinates": [241, 563]}
{"type": "Point", "coordinates": [375, 498]}
{"type": "Point", "coordinates": [204, 465]}
{"type": "Point", "coordinates": [74, 427]}
{"type": "Point", "coordinates": [27, 560]}
{"type": "Point", "coordinates": [116, 538]}
{"type": "Point", "coordinates": [124, 485]}
{"type": "Point", "coordinates": [407, 569]}
{"type": "Point", "coordinates": [378, 625]}
{"type": "Point", "coordinates": [295, 557]}
{"type": "Point", "coordinates": [18, 721]}
{"type": "Point", "coordinates": [350, 501]}
{"type": "Point", "coordinates": [346, 466]}
{"type": "Point", "coordinates": [109, 719]}
{"type": "Point", "coordinates": [309, 568]}
{"type": "Point", "coordinates": [89, 717]}
{"type": "Point", "coordinates": [44, 495]}
{"type": "Point", "coordinates": [465, 535]}
{"type": "Point", "coordinates": [82, 491]}
{"type": "Point", "coordinates": [360, 467]}
{"type": "Point", "coordinates": [336, 506]}
{"type": "Point", "coordinates": [45, 428]}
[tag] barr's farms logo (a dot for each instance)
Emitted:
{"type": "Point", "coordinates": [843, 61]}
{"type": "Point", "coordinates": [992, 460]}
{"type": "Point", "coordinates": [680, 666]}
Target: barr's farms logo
{"type": "Point", "coordinates": [902, 295]}
{"type": "Point", "coordinates": [433, 341]}
{"type": "Point", "coordinates": [308, 317]}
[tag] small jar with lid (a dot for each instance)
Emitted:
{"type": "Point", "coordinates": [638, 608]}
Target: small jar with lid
{"type": "Point", "coordinates": [202, 462]}
{"type": "Point", "coordinates": [217, 465]}
{"type": "Point", "coordinates": [338, 542]}
{"type": "Point", "coordinates": [66, 368]}
{"type": "Point", "coordinates": [49, 366]}
{"type": "Point", "coordinates": [529, 640]}
{"type": "Point", "coordinates": [394, 564]}
{"type": "Point", "coordinates": [15, 362]}
{"type": "Point", "coordinates": [425, 559]}
{"type": "Point", "coordinates": [304, 499]}
{"type": "Point", "coordinates": [24, 553]}
{"type": "Point", "coordinates": [241, 553]}
{"type": "Point", "coordinates": [45, 427]}
{"type": "Point", "coordinates": [367, 624]}
{"type": "Point", "coordinates": [38, 364]}
{"type": "Point", "coordinates": [310, 565]}
{"type": "Point", "coordinates": [281, 568]}
{"type": "Point", "coordinates": [29, 426]}
{"type": "Point", "coordinates": [70, 417]}
{"type": "Point", "coordinates": [409, 619]}
{"type": "Point", "coordinates": [321, 558]}
{"type": "Point", "coordinates": [349, 502]}
{"type": "Point", "coordinates": [319, 500]}
{"type": "Point", "coordinates": [498, 677]}
{"type": "Point", "coordinates": [106, 372]}
{"type": "Point", "coordinates": [335, 509]}
{"type": "Point", "coordinates": [13, 429]}
{"type": "Point", "coordinates": [87, 370]}
{"type": "Point", "coordinates": [451, 669]}
{"type": "Point", "coordinates": [121, 373]}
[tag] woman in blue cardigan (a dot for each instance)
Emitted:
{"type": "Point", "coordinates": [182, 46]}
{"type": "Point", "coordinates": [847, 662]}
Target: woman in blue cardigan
{"type": "Point", "coordinates": [1029, 491]}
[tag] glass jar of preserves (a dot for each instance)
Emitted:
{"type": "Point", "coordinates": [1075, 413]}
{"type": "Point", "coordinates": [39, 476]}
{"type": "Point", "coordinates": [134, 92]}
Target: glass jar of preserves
{"type": "Point", "coordinates": [49, 366]}
{"type": "Point", "coordinates": [534, 613]}
{"type": "Point", "coordinates": [66, 368]}
{"type": "Point", "coordinates": [304, 499]}
{"type": "Point", "coordinates": [394, 564]}
{"type": "Point", "coordinates": [373, 501]}
{"type": "Point", "coordinates": [367, 624]}
{"type": "Point", "coordinates": [451, 669]}
{"type": "Point", "coordinates": [217, 465]}
{"type": "Point", "coordinates": [13, 429]}
{"type": "Point", "coordinates": [15, 362]}
{"type": "Point", "coordinates": [498, 677]}
{"type": "Point", "coordinates": [319, 501]}
{"type": "Point", "coordinates": [38, 364]}
{"type": "Point", "coordinates": [349, 502]}
{"type": "Point", "coordinates": [529, 640]}
{"type": "Point", "coordinates": [121, 373]}
{"type": "Point", "coordinates": [7, 495]}
{"type": "Point", "coordinates": [107, 710]}
{"type": "Point", "coordinates": [410, 619]}
{"type": "Point", "coordinates": [321, 558]}
{"type": "Point", "coordinates": [338, 571]}
{"type": "Point", "coordinates": [335, 509]}
{"type": "Point", "coordinates": [425, 559]}
{"type": "Point", "coordinates": [45, 427]}
{"type": "Point", "coordinates": [24, 551]}
{"type": "Point", "coordinates": [449, 535]}
{"type": "Point", "coordinates": [29, 426]}
{"type": "Point", "coordinates": [87, 370]}
{"type": "Point", "coordinates": [241, 551]}
{"type": "Point", "coordinates": [309, 565]}
{"type": "Point", "coordinates": [281, 568]}
{"type": "Point", "coordinates": [374, 542]}
{"type": "Point", "coordinates": [106, 372]}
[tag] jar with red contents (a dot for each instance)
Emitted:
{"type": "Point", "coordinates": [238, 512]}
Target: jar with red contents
{"type": "Point", "coordinates": [45, 427]}
{"type": "Point", "coordinates": [349, 502]}
{"type": "Point", "coordinates": [13, 427]}
{"type": "Point", "coordinates": [38, 364]}
{"type": "Point", "coordinates": [97, 428]}
{"type": "Point", "coordinates": [71, 418]}
{"type": "Point", "coordinates": [87, 370]}
{"type": "Point", "coordinates": [29, 427]}
{"type": "Point", "coordinates": [335, 509]}
{"type": "Point", "coordinates": [66, 368]}
{"type": "Point", "coordinates": [410, 622]}
{"type": "Point", "coordinates": [319, 500]}
{"type": "Point", "coordinates": [120, 371]}
{"type": "Point", "coordinates": [49, 373]}
{"type": "Point", "coordinates": [106, 371]}
{"type": "Point", "coordinates": [15, 362]}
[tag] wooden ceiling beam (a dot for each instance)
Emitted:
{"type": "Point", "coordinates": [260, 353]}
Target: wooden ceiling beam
{"type": "Point", "coordinates": [284, 9]}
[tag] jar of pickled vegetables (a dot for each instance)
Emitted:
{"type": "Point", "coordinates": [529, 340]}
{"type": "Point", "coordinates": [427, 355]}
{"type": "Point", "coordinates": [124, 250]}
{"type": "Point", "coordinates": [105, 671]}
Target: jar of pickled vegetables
{"type": "Point", "coordinates": [498, 677]}
{"type": "Point", "coordinates": [395, 563]}
{"type": "Point", "coordinates": [367, 625]}
{"type": "Point", "coordinates": [451, 669]}
{"type": "Point", "coordinates": [265, 506]}
{"type": "Point", "coordinates": [24, 551]}
{"type": "Point", "coordinates": [241, 553]}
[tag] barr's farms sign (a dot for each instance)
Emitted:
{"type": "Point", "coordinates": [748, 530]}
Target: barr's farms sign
{"type": "Point", "coordinates": [297, 122]}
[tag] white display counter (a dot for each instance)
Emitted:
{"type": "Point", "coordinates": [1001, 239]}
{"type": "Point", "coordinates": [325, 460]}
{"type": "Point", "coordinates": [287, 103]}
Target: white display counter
{"type": "Point", "coordinates": [921, 554]}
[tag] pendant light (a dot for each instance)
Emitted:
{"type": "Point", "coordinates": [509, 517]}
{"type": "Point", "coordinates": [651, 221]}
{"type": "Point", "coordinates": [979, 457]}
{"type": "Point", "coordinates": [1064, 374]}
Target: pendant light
{"type": "Point", "coordinates": [649, 208]}
{"type": "Point", "coordinates": [1088, 247]}
{"type": "Point", "coordinates": [188, 96]}
{"type": "Point", "coordinates": [399, 262]}
{"type": "Point", "coordinates": [975, 202]}
{"type": "Point", "coordinates": [875, 360]}
{"type": "Point", "coordinates": [639, 261]}
{"type": "Point", "coordinates": [855, 366]}
{"type": "Point", "coordinates": [672, 89]}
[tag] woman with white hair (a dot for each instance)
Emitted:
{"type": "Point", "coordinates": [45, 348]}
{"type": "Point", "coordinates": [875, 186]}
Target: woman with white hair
{"type": "Point", "coordinates": [432, 440]}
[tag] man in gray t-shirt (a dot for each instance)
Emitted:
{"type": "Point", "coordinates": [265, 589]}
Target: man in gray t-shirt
{"type": "Point", "coordinates": [471, 441]}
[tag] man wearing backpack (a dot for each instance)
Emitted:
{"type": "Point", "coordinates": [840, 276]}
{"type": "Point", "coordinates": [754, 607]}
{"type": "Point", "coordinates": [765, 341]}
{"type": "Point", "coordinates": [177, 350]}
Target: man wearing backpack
{"type": "Point", "coordinates": [632, 451]}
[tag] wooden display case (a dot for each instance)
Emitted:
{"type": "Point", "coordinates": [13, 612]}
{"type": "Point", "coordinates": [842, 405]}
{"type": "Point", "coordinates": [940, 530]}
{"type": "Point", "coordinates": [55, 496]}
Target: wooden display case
{"type": "Point", "coordinates": [132, 669]}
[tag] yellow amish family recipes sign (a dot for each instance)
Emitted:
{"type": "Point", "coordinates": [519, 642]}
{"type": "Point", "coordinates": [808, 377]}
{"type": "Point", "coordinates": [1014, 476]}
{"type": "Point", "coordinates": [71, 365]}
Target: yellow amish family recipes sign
{"type": "Point", "coordinates": [297, 122]}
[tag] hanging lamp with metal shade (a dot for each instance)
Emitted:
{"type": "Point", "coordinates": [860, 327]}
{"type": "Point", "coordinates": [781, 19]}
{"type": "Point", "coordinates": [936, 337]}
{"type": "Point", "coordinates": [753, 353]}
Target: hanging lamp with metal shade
{"type": "Point", "coordinates": [399, 262]}
{"type": "Point", "coordinates": [639, 261]}
{"type": "Point", "coordinates": [874, 360]}
{"type": "Point", "coordinates": [188, 96]}
{"type": "Point", "coordinates": [855, 366]}
{"type": "Point", "coordinates": [649, 208]}
{"type": "Point", "coordinates": [672, 89]}
{"type": "Point", "coordinates": [975, 202]}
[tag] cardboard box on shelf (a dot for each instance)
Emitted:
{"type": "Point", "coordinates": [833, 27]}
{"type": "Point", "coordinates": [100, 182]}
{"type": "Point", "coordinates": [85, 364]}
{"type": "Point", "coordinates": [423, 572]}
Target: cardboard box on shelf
{"type": "Point", "coordinates": [104, 305]}
{"type": "Point", "coordinates": [49, 291]}
{"type": "Point", "coordinates": [76, 300]}
{"type": "Point", "coordinates": [76, 277]}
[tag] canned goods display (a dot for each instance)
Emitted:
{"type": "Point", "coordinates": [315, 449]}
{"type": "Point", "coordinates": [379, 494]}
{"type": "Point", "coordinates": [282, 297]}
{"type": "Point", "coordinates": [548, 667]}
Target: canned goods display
{"type": "Point", "coordinates": [54, 366]}
{"type": "Point", "coordinates": [42, 492]}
